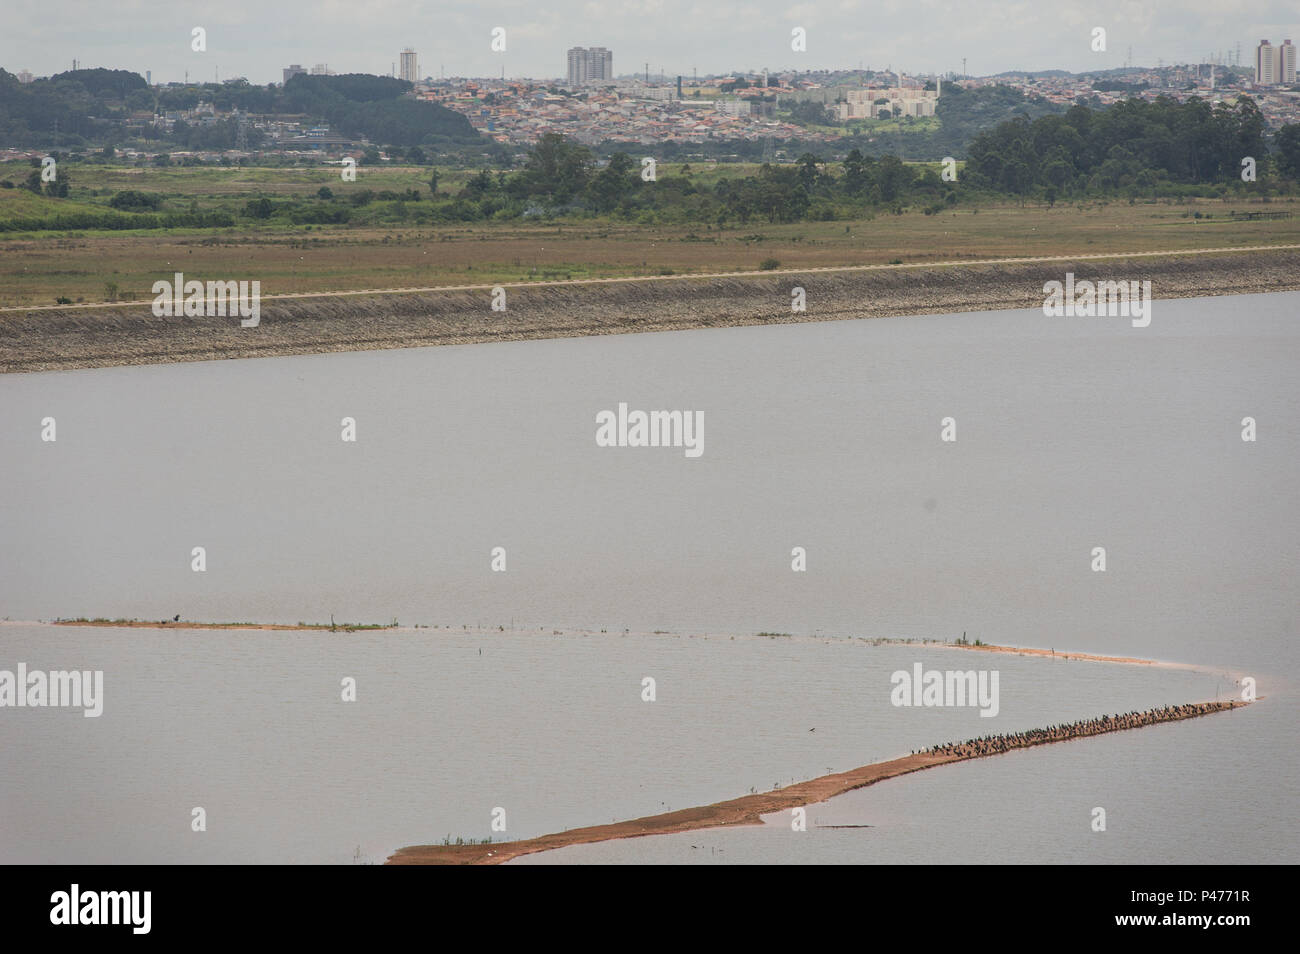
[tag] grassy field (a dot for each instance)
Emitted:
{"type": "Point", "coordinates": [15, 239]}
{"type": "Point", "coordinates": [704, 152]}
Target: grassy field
{"type": "Point", "coordinates": [94, 185]}
{"type": "Point", "coordinates": [36, 268]}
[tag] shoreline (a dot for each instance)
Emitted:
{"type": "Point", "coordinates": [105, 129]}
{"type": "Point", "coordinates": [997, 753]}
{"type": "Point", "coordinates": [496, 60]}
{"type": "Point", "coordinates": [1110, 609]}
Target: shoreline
{"type": "Point", "coordinates": [45, 338]}
{"type": "Point", "coordinates": [1069, 656]}
{"type": "Point", "coordinates": [488, 631]}
{"type": "Point", "coordinates": [749, 809]}
{"type": "Point", "coordinates": [184, 624]}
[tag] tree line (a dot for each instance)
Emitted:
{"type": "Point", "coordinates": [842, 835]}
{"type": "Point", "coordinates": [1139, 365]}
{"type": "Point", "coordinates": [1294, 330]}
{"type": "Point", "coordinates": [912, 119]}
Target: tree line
{"type": "Point", "coordinates": [85, 107]}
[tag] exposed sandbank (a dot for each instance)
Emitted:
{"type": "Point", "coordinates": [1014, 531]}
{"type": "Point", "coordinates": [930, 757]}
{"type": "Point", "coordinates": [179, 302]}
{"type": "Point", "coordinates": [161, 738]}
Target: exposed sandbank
{"type": "Point", "coordinates": [749, 809]}
{"type": "Point", "coordinates": [183, 624]}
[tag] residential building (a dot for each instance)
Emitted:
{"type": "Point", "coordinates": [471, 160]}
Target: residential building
{"type": "Point", "coordinates": [1275, 65]}
{"type": "Point", "coordinates": [410, 69]}
{"type": "Point", "coordinates": [589, 66]}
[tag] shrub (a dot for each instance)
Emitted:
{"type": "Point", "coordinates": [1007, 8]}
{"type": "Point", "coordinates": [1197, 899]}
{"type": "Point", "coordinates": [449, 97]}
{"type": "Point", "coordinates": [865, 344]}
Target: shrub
{"type": "Point", "coordinates": [133, 201]}
{"type": "Point", "coordinates": [258, 209]}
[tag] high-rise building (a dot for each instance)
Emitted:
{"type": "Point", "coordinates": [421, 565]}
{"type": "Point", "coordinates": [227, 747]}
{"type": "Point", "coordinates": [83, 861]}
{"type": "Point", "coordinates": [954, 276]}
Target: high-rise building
{"type": "Point", "coordinates": [1275, 65]}
{"type": "Point", "coordinates": [588, 66]}
{"type": "Point", "coordinates": [410, 66]}
{"type": "Point", "coordinates": [292, 71]}
{"type": "Point", "coordinates": [1265, 64]}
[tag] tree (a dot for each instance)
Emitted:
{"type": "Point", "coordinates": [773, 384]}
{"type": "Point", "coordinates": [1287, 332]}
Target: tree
{"type": "Point", "coordinates": [809, 173]}
{"type": "Point", "coordinates": [1287, 144]}
{"type": "Point", "coordinates": [556, 167]}
{"type": "Point", "coordinates": [614, 184]}
{"type": "Point", "coordinates": [433, 182]}
{"type": "Point", "coordinates": [130, 200]}
{"type": "Point", "coordinates": [324, 192]}
{"type": "Point", "coordinates": [478, 185]}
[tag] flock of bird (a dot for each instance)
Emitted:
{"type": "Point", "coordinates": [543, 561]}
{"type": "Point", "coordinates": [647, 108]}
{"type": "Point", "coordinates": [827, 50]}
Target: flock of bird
{"type": "Point", "coordinates": [993, 744]}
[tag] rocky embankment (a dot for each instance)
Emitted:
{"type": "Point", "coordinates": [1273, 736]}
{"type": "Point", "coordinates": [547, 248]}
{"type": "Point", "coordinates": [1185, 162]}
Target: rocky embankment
{"type": "Point", "coordinates": [99, 336]}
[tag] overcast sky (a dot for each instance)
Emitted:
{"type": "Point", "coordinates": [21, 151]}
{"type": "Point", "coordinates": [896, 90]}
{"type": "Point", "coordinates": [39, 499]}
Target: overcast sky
{"type": "Point", "coordinates": [258, 39]}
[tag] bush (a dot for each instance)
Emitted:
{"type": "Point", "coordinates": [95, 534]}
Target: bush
{"type": "Point", "coordinates": [132, 201]}
{"type": "Point", "coordinates": [114, 221]}
{"type": "Point", "coordinates": [258, 209]}
{"type": "Point", "coordinates": [768, 264]}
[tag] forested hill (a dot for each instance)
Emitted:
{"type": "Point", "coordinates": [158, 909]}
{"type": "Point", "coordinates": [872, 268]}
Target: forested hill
{"type": "Point", "coordinates": [92, 107]}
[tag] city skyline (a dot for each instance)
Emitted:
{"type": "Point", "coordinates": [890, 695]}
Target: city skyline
{"type": "Point", "coordinates": [723, 38]}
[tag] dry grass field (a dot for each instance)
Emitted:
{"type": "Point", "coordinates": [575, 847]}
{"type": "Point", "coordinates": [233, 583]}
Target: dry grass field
{"type": "Point", "coordinates": [37, 269]}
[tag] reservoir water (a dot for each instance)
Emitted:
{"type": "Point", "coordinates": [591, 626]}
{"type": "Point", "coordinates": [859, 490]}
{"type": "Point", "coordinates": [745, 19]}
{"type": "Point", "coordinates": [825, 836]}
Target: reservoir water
{"type": "Point", "coordinates": [1071, 434]}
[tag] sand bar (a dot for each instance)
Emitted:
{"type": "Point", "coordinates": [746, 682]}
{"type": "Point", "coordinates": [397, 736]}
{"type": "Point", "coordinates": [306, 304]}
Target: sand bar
{"type": "Point", "coordinates": [749, 809]}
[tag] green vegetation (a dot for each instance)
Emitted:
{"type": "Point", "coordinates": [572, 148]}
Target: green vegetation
{"type": "Point", "coordinates": [287, 258]}
{"type": "Point", "coordinates": [83, 107]}
{"type": "Point", "coordinates": [466, 841]}
{"type": "Point", "coordinates": [1134, 148]}
{"type": "Point", "coordinates": [182, 624]}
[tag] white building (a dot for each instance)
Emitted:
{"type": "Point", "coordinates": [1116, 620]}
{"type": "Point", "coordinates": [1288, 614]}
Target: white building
{"type": "Point", "coordinates": [410, 69]}
{"type": "Point", "coordinates": [888, 103]}
{"type": "Point", "coordinates": [588, 66]}
{"type": "Point", "coordinates": [734, 107]}
{"type": "Point", "coordinates": [1275, 65]}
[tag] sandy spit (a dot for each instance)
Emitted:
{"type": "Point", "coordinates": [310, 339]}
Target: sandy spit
{"type": "Point", "coordinates": [749, 809]}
